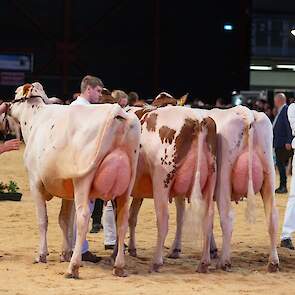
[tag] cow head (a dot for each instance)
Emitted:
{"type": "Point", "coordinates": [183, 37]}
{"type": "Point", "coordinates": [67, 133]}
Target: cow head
{"type": "Point", "coordinates": [24, 93]}
{"type": "Point", "coordinates": [107, 97]}
{"type": "Point", "coordinates": [29, 91]}
{"type": "Point", "coordinates": [164, 99]}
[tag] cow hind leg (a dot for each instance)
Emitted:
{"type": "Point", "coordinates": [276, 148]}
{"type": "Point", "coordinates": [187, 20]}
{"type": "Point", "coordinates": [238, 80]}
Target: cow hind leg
{"type": "Point", "coordinates": [81, 191]}
{"type": "Point", "coordinates": [207, 226]}
{"type": "Point", "coordinates": [161, 208]}
{"type": "Point", "coordinates": [65, 222]}
{"type": "Point", "coordinates": [133, 214]}
{"type": "Point", "coordinates": [175, 249]}
{"type": "Point", "coordinates": [271, 213]}
{"type": "Point", "coordinates": [122, 214]}
{"type": "Point", "coordinates": [226, 221]}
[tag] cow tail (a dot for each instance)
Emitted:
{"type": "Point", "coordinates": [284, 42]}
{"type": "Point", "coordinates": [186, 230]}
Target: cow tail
{"type": "Point", "coordinates": [195, 211]}
{"type": "Point", "coordinates": [251, 204]}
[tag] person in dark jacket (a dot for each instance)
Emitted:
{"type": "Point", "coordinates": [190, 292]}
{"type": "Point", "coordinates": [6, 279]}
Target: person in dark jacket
{"type": "Point", "coordinates": [282, 140]}
{"type": "Point", "coordinates": [96, 216]}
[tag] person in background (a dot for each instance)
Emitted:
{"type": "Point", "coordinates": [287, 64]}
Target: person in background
{"type": "Point", "coordinates": [259, 105]}
{"type": "Point", "coordinates": [219, 103]}
{"type": "Point", "coordinates": [96, 216]}
{"type": "Point", "coordinates": [289, 220]}
{"type": "Point", "coordinates": [121, 97]}
{"type": "Point", "coordinates": [109, 223]}
{"type": "Point", "coordinates": [91, 88]}
{"type": "Point", "coordinates": [9, 145]}
{"type": "Point", "coordinates": [268, 112]}
{"type": "Point", "coordinates": [133, 98]}
{"type": "Point", "coordinates": [282, 140]}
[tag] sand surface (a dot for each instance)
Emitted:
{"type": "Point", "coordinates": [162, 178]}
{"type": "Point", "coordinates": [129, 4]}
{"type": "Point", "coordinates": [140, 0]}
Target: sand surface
{"type": "Point", "coordinates": [19, 244]}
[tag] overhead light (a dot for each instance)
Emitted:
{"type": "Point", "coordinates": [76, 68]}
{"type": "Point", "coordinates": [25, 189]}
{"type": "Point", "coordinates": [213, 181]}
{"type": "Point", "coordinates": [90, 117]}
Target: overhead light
{"type": "Point", "coordinates": [261, 68]}
{"type": "Point", "coordinates": [228, 27]}
{"type": "Point", "coordinates": [288, 67]}
{"type": "Point", "coordinates": [293, 32]}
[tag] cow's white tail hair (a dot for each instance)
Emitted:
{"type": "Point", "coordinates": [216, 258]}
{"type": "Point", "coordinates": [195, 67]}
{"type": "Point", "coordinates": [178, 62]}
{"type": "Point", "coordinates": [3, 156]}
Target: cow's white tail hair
{"type": "Point", "coordinates": [195, 211]}
{"type": "Point", "coordinates": [251, 205]}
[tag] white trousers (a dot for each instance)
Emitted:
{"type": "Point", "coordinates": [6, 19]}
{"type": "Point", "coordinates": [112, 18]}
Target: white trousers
{"type": "Point", "coordinates": [289, 220]}
{"type": "Point", "coordinates": [85, 245]}
{"type": "Point", "coordinates": [109, 225]}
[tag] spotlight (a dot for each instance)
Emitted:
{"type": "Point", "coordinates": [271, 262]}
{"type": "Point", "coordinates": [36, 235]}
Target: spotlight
{"type": "Point", "coordinates": [228, 27]}
{"type": "Point", "coordinates": [261, 68]}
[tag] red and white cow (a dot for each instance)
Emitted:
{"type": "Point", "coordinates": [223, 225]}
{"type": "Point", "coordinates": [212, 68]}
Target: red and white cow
{"type": "Point", "coordinates": [177, 159]}
{"type": "Point", "coordinates": [80, 153]}
{"type": "Point", "coordinates": [245, 167]}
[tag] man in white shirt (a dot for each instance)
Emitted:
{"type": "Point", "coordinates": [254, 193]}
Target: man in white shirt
{"type": "Point", "coordinates": [91, 88]}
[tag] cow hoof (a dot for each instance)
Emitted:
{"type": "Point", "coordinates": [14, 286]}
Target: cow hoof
{"type": "Point", "coordinates": [202, 267]}
{"type": "Point", "coordinates": [132, 252]}
{"type": "Point", "coordinates": [74, 274]}
{"type": "Point", "coordinates": [214, 254]}
{"type": "Point", "coordinates": [120, 272]}
{"type": "Point", "coordinates": [273, 267]}
{"type": "Point", "coordinates": [41, 259]}
{"type": "Point", "coordinates": [66, 256]}
{"type": "Point", "coordinates": [175, 254]}
{"type": "Point", "coordinates": [155, 267]}
{"type": "Point", "coordinates": [224, 266]}
{"type": "Point", "coordinates": [71, 276]}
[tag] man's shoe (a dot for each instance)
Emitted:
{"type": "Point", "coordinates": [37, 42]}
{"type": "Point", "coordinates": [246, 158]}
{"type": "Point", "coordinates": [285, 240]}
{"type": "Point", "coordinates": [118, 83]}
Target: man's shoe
{"type": "Point", "coordinates": [88, 256]}
{"type": "Point", "coordinates": [112, 247]}
{"type": "Point", "coordinates": [109, 247]}
{"type": "Point", "coordinates": [287, 243]}
{"type": "Point", "coordinates": [96, 227]}
{"type": "Point", "coordinates": [281, 190]}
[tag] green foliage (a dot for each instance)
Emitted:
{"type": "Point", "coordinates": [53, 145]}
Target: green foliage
{"type": "Point", "coordinates": [11, 187]}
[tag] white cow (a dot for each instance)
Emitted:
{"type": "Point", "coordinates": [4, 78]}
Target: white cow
{"type": "Point", "coordinates": [79, 152]}
{"type": "Point", "coordinates": [245, 167]}
{"type": "Point", "coordinates": [51, 100]}
{"type": "Point", "coordinates": [177, 159]}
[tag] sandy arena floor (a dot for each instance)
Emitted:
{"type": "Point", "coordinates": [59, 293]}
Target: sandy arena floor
{"type": "Point", "coordinates": [19, 244]}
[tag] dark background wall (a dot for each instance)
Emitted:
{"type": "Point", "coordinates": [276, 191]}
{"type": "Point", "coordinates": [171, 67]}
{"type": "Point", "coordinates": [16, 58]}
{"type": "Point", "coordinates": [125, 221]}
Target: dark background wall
{"type": "Point", "coordinates": [147, 46]}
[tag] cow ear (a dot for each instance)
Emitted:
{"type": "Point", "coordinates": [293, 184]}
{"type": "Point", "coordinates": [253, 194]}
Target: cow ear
{"type": "Point", "coordinates": [27, 89]}
{"type": "Point", "coordinates": [106, 91]}
{"type": "Point", "coordinates": [38, 86]}
{"type": "Point", "coordinates": [18, 89]}
{"type": "Point", "coordinates": [182, 100]}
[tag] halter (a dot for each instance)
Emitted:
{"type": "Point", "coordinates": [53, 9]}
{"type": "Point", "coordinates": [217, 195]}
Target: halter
{"type": "Point", "coordinates": [23, 99]}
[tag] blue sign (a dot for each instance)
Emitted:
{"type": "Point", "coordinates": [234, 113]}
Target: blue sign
{"type": "Point", "coordinates": [16, 62]}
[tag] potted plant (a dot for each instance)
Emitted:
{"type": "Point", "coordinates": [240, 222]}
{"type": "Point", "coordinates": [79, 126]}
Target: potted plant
{"type": "Point", "coordinates": [9, 191]}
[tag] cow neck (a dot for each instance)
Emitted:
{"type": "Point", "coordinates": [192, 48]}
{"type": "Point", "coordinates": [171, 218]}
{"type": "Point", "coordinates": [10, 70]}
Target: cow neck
{"type": "Point", "coordinates": [29, 111]}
